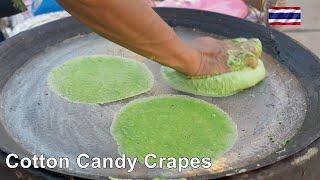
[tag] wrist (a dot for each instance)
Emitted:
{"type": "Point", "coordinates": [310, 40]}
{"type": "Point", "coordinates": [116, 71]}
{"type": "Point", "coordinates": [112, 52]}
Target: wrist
{"type": "Point", "coordinates": [172, 52]}
{"type": "Point", "coordinates": [181, 57]}
{"type": "Point", "coordinates": [190, 62]}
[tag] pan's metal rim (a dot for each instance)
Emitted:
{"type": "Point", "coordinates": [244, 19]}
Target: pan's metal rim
{"type": "Point", "coordinates": [169, 14]}
{"type": "Point", "coordinates": [273, 158]}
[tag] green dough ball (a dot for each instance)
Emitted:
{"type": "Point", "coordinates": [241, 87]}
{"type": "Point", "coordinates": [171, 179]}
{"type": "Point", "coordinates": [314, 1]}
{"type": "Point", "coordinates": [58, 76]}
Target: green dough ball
{"type": "Point", "coordinates": [224, 84]}
{"type": "Point", "coordinates": [173, 126]}
{"type": "Point", "coordinates": [100, 79]}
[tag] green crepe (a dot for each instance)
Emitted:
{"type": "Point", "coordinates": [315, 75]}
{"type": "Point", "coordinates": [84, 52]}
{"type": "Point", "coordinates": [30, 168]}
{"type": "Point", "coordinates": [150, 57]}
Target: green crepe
{"type": "Point", "coordinates": [224, 84]}
{"type": "Point", "coordinates": [173, 126]}
{"type": "Point", "coordinates": [100, 79]}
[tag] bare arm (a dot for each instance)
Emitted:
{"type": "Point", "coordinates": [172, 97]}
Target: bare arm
{"type": "Point", "coordinates": [134, 25]}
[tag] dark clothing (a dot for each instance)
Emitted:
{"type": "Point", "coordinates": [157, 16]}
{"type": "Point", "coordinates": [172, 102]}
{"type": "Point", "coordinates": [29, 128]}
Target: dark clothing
{"type": "Point", "coordinates": [7, 9]}
{"type": "Point", "coordinates": [1, 37]}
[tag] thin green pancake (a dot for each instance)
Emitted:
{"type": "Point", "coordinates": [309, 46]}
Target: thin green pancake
{"type": "Point", "coordinates": [225, 84]}
{"type": "Point", "coordinates": [173, 126]}
{"type": "Point", "coordinates": [100, 79]}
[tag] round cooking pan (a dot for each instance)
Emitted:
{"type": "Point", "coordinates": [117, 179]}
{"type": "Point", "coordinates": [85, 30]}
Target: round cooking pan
{"type": "Point", "coordinates": [275, 119]}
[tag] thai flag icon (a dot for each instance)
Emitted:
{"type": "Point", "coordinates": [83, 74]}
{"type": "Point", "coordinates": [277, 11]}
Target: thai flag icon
{"type": "Point", "coordinates": [284, 16]}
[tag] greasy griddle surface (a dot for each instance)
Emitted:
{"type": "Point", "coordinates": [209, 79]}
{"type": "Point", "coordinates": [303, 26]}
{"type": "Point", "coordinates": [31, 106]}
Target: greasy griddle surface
{"type": "Point", "coordinates": [44, 123]}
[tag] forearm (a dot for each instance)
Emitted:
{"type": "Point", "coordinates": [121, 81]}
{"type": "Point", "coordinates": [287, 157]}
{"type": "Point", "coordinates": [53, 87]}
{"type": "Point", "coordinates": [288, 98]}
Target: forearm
{"type": "Point", "coordinates": [134, 25]}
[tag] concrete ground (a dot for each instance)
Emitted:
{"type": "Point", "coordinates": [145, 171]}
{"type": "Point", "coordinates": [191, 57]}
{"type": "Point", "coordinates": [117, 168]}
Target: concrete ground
{"type": "Point", "coordinates": [309, 32]}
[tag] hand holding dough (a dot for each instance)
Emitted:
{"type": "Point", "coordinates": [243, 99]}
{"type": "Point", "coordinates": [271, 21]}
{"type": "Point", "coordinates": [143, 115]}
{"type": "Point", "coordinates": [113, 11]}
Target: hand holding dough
{"type": "Point", "coordinates": [242, 76]}
{"type": "Point", "coordinates": [220, 56]}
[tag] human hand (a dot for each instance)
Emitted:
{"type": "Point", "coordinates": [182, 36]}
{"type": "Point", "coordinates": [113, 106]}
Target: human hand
{"type": "Point", "coordinates": [220, 56]}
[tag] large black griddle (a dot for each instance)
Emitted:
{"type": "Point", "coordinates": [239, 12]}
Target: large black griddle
{"type": "Point", "coordinates": [292, 69]}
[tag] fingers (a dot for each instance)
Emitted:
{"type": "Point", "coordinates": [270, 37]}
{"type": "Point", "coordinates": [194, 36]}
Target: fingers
{"type": "Point", "coordinates": [248, 51]}
{"type": "Point", "coordinates": [252, 62]}
{"type": "Point", "coordinates": [212, 65]}
{"type": "Point", "coordinates": [254, 46]}
{"type": "Point", "coordinates": [221, 56]}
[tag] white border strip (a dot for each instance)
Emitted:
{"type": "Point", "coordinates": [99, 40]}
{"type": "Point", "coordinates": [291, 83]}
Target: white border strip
{"type": "Point", "coordinates": [284, 20]}
{"type": "Point", "coordinates": [284, 11]}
